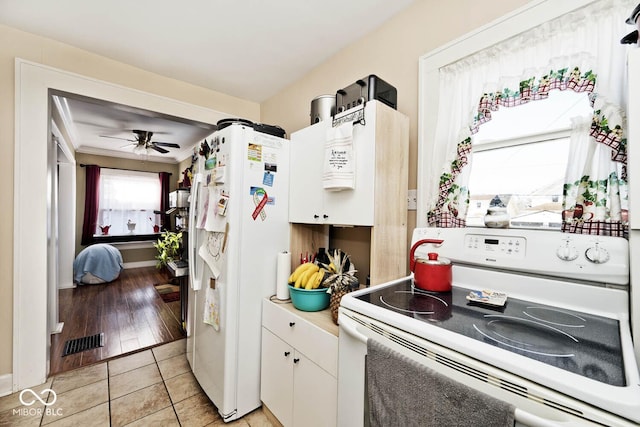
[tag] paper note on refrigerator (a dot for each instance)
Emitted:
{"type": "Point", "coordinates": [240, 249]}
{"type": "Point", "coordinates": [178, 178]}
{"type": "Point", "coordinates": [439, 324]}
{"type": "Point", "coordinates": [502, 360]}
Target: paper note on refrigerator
{"type": "Point", "coordinates": [215, 222]}
{"type": "Point", "coordinates": [211, 314]}
{"type": "Point", "coordinates": [206, 255]}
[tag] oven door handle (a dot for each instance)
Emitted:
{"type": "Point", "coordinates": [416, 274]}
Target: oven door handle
{"type": "Point", "coordinates": [528, 419]}
{"type": "Point", "coordinates": [349, 327]}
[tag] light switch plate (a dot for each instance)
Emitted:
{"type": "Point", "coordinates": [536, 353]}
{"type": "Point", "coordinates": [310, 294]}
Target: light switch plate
{"type": "Point", "coordinates": [412, 200]}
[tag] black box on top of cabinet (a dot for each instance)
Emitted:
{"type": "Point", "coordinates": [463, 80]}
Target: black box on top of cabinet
{"type": "Point", "coordinates": [366, 89]}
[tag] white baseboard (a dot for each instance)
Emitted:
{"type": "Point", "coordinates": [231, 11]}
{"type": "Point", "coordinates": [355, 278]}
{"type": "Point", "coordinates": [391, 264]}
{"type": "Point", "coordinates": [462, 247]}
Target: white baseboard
{"type": "Point", "coordinates": [58, 328]}
{"type": "Point", "coordinates": [66, 285]}
{"type": "Point", "coordinates": [6, 384]}
{"type": "Point", "coordinates": [139, 264]}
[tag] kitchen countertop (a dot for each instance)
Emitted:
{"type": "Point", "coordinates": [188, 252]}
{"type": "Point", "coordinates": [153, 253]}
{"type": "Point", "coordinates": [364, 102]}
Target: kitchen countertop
{"type": "Point", "coordinates": [321, 319]}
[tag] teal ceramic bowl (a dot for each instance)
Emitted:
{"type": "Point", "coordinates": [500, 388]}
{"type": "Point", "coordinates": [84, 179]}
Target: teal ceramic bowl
{"type": "Point", "coordinates": [309, 300]}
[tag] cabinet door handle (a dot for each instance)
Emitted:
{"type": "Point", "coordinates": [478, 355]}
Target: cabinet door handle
{"type": "Point", "coordinates": [292, 324]}
{"type": "Point", "coordinates": [325, 216]}
{"type": "Point", "coordinates": [316, 216]}
{"type": "Point", "coordinates": [287, 353]}
{"type": "Point", "coordinates": [296, 360]}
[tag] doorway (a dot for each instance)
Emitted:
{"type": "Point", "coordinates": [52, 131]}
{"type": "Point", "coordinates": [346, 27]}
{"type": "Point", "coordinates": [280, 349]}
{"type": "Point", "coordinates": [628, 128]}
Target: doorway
{"type": "Point", "coordinates": [31, 344]}
{"type": "Point", "coordinates": [61, 216]}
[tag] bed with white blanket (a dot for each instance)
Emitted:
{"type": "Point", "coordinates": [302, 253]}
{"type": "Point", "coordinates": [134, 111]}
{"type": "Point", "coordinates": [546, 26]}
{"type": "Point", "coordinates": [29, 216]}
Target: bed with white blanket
{"type": "Point", "coordinates": [99, 263]}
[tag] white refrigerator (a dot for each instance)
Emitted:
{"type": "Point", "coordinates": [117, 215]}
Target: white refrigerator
{"type": "Point", "coordinates": [238, 223]}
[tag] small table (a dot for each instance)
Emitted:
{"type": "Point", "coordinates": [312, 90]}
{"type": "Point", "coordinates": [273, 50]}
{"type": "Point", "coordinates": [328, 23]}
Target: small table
{"type": "Point", "coordinates": [180, 271]}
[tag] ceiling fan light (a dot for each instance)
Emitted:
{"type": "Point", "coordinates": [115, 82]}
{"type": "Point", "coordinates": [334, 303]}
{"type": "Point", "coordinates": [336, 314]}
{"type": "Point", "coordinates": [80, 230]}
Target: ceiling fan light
{"type": "Point", "coordinates": [139, 149]}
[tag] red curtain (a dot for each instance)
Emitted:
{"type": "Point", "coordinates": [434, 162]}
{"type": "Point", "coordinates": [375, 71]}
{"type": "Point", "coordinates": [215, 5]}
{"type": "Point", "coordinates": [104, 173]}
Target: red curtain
{"type": "Point", "coordinates": [91, 203]}
{"type": "Point", "coordinates": [164, 198]}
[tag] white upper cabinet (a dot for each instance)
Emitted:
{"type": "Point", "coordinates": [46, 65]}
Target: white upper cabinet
{"type": "Point", "coordinates": [311, 203]}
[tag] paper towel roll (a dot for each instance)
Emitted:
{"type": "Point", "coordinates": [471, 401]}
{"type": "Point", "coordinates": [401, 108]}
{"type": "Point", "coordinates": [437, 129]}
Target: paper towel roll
{"type": "Point", "coordinates": [283, 271]}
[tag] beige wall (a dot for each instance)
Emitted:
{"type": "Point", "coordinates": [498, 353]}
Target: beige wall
{"type": "Point", "coordinates": [391, 52]}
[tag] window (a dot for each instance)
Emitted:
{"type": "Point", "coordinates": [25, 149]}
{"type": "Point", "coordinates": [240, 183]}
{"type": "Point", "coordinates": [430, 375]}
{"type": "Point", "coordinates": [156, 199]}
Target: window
{"type": "Point", "coordinates": [524, 161]}
{"type": "Point", "coordinates": [127, 198]}
{"type": "Point", "coordinates": [528, 180]}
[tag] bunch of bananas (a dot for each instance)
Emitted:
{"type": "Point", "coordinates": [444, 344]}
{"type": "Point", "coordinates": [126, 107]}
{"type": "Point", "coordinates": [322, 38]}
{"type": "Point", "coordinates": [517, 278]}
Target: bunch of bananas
{"type": "Point", "coordinates": [307, 276]}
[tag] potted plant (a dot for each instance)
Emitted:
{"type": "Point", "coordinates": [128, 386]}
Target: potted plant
{"type": "Point", "coordinates": [169, 247]}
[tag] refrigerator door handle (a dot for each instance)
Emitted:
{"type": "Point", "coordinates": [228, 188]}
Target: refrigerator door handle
{"type": "Point", "coordinates": [196, 280]}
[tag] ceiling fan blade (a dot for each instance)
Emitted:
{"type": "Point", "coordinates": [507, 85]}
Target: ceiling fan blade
{"type": "Point", "coordinates": [159, 149]}
{"type": "Point", "coordinates": [117, 137]}
{"type": "Point", "coordinates": [166, 144]}
{"type": "Point", "coordinates": [150, 133]}
{"type": "Point", "coordinates": [96, 125]}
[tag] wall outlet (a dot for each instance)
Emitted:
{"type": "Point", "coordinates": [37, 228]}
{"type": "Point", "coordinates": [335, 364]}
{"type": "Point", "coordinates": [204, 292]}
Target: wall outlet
{"type": "Point", "coordinates": [412, 200]}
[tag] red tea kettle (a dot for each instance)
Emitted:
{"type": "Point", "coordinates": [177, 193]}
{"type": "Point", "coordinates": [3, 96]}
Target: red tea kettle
{"type": "Point", "coordinates": [430, 274]}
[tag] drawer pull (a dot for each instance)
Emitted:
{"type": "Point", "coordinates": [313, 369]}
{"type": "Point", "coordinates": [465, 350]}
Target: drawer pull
{"type": "Point", "coordinates": [291, 324]}
{"type": "Point", "coordinates": [296, 360]}
{"type": "Point", "coordinates": [287, 353]}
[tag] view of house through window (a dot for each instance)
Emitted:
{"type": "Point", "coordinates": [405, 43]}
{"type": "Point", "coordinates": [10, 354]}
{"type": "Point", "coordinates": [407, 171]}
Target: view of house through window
{"type": "Point", "coordinates": [521, 156]}
{"type": "Point", "coordinates": [128, 200]}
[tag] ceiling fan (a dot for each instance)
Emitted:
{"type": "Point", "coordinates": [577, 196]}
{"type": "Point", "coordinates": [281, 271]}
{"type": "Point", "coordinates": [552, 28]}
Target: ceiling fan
{"type": "Point", "coordinates": [142, 142]}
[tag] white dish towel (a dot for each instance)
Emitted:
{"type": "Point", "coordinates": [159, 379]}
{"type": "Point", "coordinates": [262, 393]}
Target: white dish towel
{"type": "Point", "coordinates": [339, 159]}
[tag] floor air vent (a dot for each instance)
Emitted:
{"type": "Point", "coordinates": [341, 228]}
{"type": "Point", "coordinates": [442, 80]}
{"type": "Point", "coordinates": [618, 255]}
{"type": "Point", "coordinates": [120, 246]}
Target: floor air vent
{"type": "Point", "coordinates": [81, 344]}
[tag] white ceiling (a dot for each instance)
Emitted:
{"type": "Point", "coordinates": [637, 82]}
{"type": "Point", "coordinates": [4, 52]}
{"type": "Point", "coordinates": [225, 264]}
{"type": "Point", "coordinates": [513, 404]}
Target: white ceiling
{"type": "Point", "coordinates": [251, 49]}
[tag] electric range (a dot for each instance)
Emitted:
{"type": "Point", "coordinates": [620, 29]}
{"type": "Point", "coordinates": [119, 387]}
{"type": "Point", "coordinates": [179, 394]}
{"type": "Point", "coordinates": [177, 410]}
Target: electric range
{"type": "Point", "coordinates": [560, 346]}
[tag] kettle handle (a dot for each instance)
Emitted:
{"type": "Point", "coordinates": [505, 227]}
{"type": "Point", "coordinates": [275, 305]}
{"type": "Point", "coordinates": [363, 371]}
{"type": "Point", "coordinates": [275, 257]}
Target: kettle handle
{"type": "Point", "coordinates": [412, 260]}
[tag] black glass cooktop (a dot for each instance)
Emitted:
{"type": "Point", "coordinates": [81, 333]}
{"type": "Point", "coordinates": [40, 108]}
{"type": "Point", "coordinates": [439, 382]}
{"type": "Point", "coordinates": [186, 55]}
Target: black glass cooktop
{"type": "Point", "coordinates": [583, 344]}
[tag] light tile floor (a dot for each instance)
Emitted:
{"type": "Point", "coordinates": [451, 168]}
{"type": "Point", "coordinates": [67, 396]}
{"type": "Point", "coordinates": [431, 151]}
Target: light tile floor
{"type": "Point", "coordinates": [154, 387]}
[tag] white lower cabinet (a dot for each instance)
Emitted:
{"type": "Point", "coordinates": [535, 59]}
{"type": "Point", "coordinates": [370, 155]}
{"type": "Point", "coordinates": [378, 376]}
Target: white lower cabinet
{"type": "Point", "coordinates": [295, 386]}
{"type": "Point", "coordinates": [276, 383]}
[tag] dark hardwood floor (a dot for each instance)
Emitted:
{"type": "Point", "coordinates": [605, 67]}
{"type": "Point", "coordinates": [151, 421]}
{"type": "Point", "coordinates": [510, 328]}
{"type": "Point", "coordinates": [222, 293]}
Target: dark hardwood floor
{"type": "Point", "coordinates": [128, 311]}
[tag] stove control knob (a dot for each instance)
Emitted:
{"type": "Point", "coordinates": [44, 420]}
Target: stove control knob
{"type": "Point", "coordinates": [567, 252]}
{"type": "Point", "coordinates": [597, 254]}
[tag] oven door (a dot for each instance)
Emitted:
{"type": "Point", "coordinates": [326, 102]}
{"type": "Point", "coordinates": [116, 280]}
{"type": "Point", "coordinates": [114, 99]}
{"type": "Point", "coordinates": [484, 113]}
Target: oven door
{"type": "Point", "coordinates": [356, 329]}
